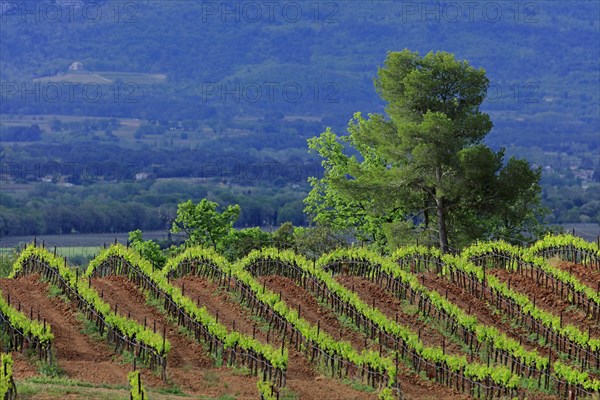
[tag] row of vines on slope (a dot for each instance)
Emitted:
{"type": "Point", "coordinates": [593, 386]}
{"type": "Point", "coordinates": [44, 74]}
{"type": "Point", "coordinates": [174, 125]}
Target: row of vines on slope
{"type": "Point", "coordinates": [576, 345]}
{"type": "Point", "coordinates": [450, 370]}
{"type": "Point", "coordinates": [569, 248]}
{"type": "Point", "coordinates": [500, 254]}
{"type": "Point", "coordinates": [467, 271]}
{"type": "Point", "coordinates": [338, 356]}
{"type": "Point", "coordinates": [233, 347]}
{"type": "Point", "coordinates": [25, 333]}
{"type": "Point", "coordinates": [127, 335]}
{"type": "Point", "coordinates": [404, 285]}
{"type": "Point", "coordinates": [567, 339]}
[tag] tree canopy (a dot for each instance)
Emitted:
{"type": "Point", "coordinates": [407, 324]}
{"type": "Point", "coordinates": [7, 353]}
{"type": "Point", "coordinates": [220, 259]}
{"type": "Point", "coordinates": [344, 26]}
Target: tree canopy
{"type": "Point", "coordinates": [149, 248]}
{"type": "Point", "coordinates": [203, 223]}
{"type": "Point", "coordinates": [422, 168]}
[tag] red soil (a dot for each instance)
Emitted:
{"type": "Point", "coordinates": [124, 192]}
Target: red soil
{"type": "Point", "coordinates": [547, 300]}
{"type": "Point", "coordinates": [392, 306]}
{"type": "Point", "coordinates": [301, 376]}
{"type": "Point", "coordinates": [313, 312]}
{"type": "Point", "coordinates": [587, 275]}
{"type": "Point", "coordinates": [189, 367]}
{"type": "Point", "coordinates": [79, 356]}
{"type": "Point", "coordinates": [479, 308]}
{"type": "Point", "coordinates": [23, 366]}
{"type": "Point", "coordinates": [412, 385]}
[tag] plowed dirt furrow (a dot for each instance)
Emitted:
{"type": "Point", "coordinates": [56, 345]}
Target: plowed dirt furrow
{"type": "Point", "coordinates": [587, 275]}
{"type": "Point", "coordinates": [485, 314]}
{"type": "Point", "coordinates": [391, 306]}
{"type": "Point", "coordinates": [312, 311]}
{"type": "Point", "coordinates": [547, 300]}
{"type": "Point", "coordinates": [480, 309]}
{"type": "Point", "coordinates": [301, 376]}
{"type": "Point", "coordinates": [79, 356]}
{"type": "Point", "coordinates": [23, 366]}
{"type": "Point", "coordinates": [188, 366]}
{"type": "Point", "coordinates": [294, 295]}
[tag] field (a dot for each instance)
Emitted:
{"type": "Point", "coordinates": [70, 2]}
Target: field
{"type": "Point", "coordinates": [127, 129]}
{"type": "Point", "coordinates": [496, 321]}
{"type": "Point", "coordinates": [104, 77]}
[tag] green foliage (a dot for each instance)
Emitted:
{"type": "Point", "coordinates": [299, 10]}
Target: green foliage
{"type": "Point", "coordinates": [54, 291]}
{"type": "Point", "coordinates": [423, 161]}
{"type": "Point", "coordinates": [485, 334]}
{"type": "Point", "coordinates": [528, 255]}
{"type": "Point", "coordinates": [314, 241]}
{"type": "Point", "coordinates": [547, 319]}
{"type": "Point", "coordinates": [148, 249]}
{"type": "Point", "coordinates": [283, 237]}
{"type": "Point", "coordinates": [6, 375]}
{"type": "Point", "coordinates": [386, 394]}
{"type": "Point", "coordinates": [49, 370]}
{"type": "Point", "coordinates": [6, 262]}
{"type": "Point", "coordinates": [567, 242]}
{"type": "Point", "coordinates": [265, 390]}
{"type": "Point", "coordinates": [238, 243]}
{"type": "Point", "coordinates": [498, 374]}
{"type": "Point", "coordinates": [366, 358]}
{"type": "Point", "coordinates": [89, 327]}
{"type": "Point", "coordinates": [22, 323]}
{"type": "Point", "coordinates": [329, 205]}
{"type": "Point", "coordinates": [127, 326]}
{"type": "Point", "coordinates": [200, 314]}
{"type": "Point", "coordinates": [576, 378]}
{"type": "Point", "coordinates": [488, 335]}
{"type": "Point", "coordinates": [203, 224]}
{"type": "Point", "coordinates": [519, 196]}
{"type": "Point", "coordinates": [136, 389]}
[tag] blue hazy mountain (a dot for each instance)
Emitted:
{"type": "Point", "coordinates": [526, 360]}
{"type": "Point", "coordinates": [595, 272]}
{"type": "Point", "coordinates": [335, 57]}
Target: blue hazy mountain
{"type": "Point", "coordinates": [226, 59]}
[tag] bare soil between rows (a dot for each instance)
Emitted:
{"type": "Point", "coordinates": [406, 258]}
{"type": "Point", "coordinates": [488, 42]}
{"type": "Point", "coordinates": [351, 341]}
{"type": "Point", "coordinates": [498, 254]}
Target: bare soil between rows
{"type": "Point", "coordinates": [302, 378]}
{"type": "Point", "coordinates": [413, 386]}
{"type": "Point", "coordinates": [547, 300]}
{"type": "Point", "coordinates": [392, 307]}
{"type": "Point", "coordinates": [79, 356]}
{"type": "Point", "coordinates": [484, 313]}
{"type": "Point", "coordinates": [189, 366]}
{"type": "Point", "coordinates": [191, 369]}
{"type": "Point", "coordinates": [587, 275]}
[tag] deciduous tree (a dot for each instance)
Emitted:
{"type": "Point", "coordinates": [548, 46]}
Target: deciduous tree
{"type": "Point", "coordinates": [203, 223]}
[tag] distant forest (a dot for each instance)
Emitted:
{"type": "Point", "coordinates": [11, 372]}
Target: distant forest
{"type": "Point", "coordinates": [228, 105]}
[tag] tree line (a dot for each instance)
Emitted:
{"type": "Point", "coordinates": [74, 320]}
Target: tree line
{"type": "Point", "coordinates": [419, 171]}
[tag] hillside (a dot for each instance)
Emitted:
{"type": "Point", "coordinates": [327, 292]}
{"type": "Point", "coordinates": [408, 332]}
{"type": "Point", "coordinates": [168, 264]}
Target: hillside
{"type": "Point", "coordinates": [351, 325]}
{"type": "Point", "coordinates": [224, 59]}
{"type": "Point", "coordinates": [218, 99]}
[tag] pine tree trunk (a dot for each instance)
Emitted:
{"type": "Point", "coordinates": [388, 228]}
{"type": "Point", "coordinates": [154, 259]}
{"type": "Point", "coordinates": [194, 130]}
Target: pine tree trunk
{"type": "Point", "coordinates": [441, 213]}
{"type": "Point", "coordinates": [443, 232]}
